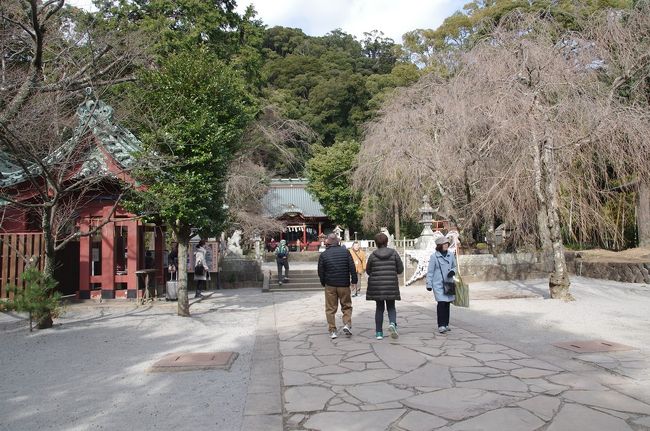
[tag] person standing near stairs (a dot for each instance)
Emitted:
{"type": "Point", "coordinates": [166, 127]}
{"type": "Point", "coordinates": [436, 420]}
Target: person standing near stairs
{"type": "Point", "coordinates": [337, 273]}
{"type": "Point", "coordinates": [282, 259]}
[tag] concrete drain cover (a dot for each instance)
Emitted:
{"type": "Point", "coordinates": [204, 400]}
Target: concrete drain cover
{"type": "Point", "coordinates": [186, 361]}
{"type": "Point", "coordinates": [593, 346]}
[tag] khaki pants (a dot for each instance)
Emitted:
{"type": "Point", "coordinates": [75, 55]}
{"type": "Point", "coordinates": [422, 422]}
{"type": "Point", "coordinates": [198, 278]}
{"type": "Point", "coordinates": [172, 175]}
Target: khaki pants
{"type": "Point", "coordinates": [332, 297]}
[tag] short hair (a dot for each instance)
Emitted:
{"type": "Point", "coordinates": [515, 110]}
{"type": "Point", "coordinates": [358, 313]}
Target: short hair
{"type": "Point", "coordinates": [332, 239]}
{"type": "Point", "coordinates": [201, 243]}
{"type": "Point", "coordinates": [381, 240]}
{"type": "Point", "coordinates": [440, 246]}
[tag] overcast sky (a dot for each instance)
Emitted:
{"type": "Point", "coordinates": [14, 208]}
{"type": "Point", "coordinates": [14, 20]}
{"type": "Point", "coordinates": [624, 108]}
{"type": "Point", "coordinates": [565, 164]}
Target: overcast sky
{"type": "Point", "coordinates": [317, 17]}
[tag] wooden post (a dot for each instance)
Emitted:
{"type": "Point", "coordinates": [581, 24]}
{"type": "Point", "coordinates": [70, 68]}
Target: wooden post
{"type": "Point", "coordinates": [12, 263]}
{"type": "Point", "coordinates": [158, 254]}
{"type": "Point", "coordinates": [85, 257]}
{"type": "Point", "coordinates": [108, 254]}
{"type": "Point", "coordinates": [5, 267]}
{"type": "Point", "coordinates": [132, 255]}
{"type": "Point", "coordinates": [304, 234]}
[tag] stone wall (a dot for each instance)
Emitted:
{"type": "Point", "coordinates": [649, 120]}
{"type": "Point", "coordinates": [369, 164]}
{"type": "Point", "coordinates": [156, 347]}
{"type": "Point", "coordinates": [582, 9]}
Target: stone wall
{"type": "Point", "coordinates": [616, 271]}
{"type": "Point", "coordinates": [240, 272]}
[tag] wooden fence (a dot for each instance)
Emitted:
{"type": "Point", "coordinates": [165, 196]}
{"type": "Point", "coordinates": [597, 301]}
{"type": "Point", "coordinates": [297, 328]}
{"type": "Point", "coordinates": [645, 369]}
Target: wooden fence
{"type": "Point", "coordinates": [16, 251]}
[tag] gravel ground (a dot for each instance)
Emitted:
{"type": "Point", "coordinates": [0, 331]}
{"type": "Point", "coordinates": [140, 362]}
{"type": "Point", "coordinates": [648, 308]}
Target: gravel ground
{"type": "Point", "coordinates": [603, 309]}
{"type": "Point", "coordinates": [90, 371]}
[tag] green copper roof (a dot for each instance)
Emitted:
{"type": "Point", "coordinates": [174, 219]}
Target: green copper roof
{"type": "Point", "coordinates": [96, 118]}
{"type": "Point", "coordinates": [291, 195]}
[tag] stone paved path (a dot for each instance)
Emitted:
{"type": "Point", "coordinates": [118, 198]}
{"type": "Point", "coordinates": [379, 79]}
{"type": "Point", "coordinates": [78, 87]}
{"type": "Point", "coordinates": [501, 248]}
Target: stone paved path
{"type": "Point", "coordinates": [426, 381]}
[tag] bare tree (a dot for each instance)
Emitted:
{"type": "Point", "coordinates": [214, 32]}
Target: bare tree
{"type": "Point", "coordinates": [48, 58]}
{"type": "Point", "coordinates": [269, 141]}
{"type": "Point", "coordinates": [526, 132]}
{"type": "Point", "coordinates": [247, 184]}
{"type": "Point", "coordinates": [623, 43]}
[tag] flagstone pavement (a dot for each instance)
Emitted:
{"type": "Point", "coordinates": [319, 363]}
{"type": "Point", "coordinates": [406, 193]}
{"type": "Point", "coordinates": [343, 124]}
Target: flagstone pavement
{"type": "Point", "coordinates": [420, 381]}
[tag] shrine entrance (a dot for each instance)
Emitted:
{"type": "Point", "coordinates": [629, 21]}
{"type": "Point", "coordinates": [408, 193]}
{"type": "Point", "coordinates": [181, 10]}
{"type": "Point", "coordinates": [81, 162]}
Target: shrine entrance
{"type": "Point", "coordinates": [111, 258]}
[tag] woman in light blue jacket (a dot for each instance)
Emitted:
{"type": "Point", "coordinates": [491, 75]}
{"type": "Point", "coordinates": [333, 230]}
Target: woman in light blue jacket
{"type": "Point", "coordinates": [442, 267]}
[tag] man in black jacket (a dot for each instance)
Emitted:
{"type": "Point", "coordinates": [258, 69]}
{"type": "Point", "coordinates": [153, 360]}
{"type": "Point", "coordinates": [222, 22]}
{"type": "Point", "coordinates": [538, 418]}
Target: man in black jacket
{"type": "Point", "coordinates": [337, 272]}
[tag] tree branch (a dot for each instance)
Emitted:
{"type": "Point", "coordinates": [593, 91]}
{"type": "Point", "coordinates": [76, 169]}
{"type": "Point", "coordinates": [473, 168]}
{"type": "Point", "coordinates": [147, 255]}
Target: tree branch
{"type": "Point", "coordinates": [107, 220]}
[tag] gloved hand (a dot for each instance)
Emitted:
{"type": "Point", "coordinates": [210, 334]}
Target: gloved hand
{"type": "Point", "coordinates": [451, 274]}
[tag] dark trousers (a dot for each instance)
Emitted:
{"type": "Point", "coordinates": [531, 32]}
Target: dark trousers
{"type": "Point", "coordinates": [379, 314]}
{"type": "Point", "coordinates": [283, 263]}
{"type": "Point", "coordinates": [200, 285]}
{"type": "Point", "coordinates": [443, 313]}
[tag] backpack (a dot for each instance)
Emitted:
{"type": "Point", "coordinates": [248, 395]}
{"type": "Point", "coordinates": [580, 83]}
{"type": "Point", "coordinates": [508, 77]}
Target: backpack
{"type": "Point", "coordinates": [199, 269]}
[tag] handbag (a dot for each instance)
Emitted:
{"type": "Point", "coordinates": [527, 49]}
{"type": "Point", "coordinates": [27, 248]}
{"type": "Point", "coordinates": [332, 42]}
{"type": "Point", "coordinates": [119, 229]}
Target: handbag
{"type": "Point", "coordinates": [449, 287]}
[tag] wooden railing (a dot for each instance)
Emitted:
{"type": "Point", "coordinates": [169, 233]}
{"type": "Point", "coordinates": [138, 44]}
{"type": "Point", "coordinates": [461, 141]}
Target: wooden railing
{"type": "Point", "coordinates": [16, 251]}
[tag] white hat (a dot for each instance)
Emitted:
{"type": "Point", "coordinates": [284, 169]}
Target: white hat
{"type": "Point", "coordinates": [442, 240]}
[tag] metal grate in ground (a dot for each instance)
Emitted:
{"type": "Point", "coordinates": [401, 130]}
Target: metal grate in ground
{"type": "Point", "coordinates": [192, 361]}
{"type": "Point", "coordinates": [593, 346]}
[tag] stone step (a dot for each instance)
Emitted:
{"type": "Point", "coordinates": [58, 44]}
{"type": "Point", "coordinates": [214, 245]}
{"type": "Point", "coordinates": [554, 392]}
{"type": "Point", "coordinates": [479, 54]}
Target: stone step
{"type": "Point", "coordinates": [296, 271]}
{"type": "Point", "coordinates": [293, 276]}
{"type": "Point", "coordinates": [295, 285]}
{"type": "Point", "coordinates": [292, 279]}
{"type": "Point", "coordinates": [285, 288]}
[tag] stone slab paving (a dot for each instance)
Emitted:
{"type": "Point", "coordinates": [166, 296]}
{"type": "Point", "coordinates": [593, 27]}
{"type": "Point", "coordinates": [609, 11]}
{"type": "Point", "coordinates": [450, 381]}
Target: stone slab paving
{"type": "Point", "coordinates": [427, 381]}
{"type": "Point", "coordinates": [632, 364]}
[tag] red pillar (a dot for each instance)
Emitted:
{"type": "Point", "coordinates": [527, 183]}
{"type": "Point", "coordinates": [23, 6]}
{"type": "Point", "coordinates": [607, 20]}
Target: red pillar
{"type": "Point", "coordinates": [304, 234]}
{"type": "Point", "coordinates": [108, 254]}
{"type": "Point", "coordinates": [132, 254]}
{"type": "Point", "coordinates": [84, 257]}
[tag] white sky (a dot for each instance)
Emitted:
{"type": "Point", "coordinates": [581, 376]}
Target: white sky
{"type": "Point", "coordinates": [317, 17]}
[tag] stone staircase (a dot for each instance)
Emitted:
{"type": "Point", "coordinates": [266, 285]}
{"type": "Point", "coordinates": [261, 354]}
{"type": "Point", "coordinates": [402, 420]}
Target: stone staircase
{"type": "Point", "coordinates": [300, 280]}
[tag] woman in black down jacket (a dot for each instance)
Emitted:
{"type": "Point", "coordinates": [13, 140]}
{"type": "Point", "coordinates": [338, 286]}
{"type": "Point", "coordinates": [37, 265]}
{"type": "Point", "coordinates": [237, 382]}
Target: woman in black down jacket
{"type": "Point", "coordinates": [384, 265]}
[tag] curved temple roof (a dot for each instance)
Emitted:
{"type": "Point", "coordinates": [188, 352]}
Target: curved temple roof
{"type": "Point", "coordinates": [95, 117]}
{"type": "Point", "coordinates": [291, 195]}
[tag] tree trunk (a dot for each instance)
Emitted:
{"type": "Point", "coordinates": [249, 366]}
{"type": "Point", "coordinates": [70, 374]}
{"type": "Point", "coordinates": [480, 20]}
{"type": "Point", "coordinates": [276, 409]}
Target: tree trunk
{"type": "Point", "coordinates": [544, 234]}
{"type": "Point", "coordinates": [183, 236]}
{"type": "Point", "coordinates": [398, 234]}
{"type": "Point", "coordinates": [44, 321]}
{"type": "Point", "coordinates": [559, 282]}
{"type": "Point", "coordinates": [643, 214]}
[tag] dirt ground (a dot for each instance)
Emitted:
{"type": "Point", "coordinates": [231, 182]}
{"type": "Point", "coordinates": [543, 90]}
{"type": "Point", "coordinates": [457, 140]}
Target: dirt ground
{"type": "Point", "coordinates": [632, 255]}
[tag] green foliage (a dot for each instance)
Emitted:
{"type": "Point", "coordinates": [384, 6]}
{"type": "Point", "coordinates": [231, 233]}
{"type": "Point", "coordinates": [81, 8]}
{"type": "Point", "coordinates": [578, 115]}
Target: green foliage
{"type": "Point", "coordinates": [329, 82]}
{"type": "Point", "coordinates": [195, 109]}
{"type": "Point", "coordinates": [329, 173]}
{"type": "Point", "coordinates": [178, 25]}
{"type": "Point", "coordinates": [38, 298]}
{"type": "Point", "coordinates": [181, 26]}
{"type": "Point", "coordinates": [382, 86]}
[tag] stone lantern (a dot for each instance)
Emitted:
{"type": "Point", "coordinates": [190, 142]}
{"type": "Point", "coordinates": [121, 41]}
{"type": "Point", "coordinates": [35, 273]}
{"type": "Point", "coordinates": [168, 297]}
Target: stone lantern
{"type": "Point", "coordinates": [426, 241]}
{"type": "Point", "coordinates": [257, 239]}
